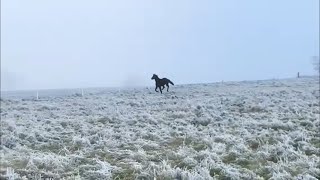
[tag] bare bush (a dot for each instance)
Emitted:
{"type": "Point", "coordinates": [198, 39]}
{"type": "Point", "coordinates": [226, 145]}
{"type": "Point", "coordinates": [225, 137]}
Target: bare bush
{"type": "Point", "coordinates": [316, 64]}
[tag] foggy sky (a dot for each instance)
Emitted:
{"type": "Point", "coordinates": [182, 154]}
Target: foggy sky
{"type": "Point", "coordinates": [101, 43]}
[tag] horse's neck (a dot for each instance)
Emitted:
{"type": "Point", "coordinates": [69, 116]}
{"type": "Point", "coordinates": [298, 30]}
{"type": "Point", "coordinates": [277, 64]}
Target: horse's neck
{"type": "Point", "coordinates": [157, 78]}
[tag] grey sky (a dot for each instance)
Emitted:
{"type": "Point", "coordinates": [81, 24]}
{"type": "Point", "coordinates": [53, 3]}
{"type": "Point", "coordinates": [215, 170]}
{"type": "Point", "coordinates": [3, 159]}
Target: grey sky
{"type": "Point", "coordinates": [76, 43]}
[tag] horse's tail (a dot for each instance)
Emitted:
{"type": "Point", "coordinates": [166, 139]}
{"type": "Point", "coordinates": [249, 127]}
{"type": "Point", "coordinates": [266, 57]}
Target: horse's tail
{"type": "Point", "coordinates": [170, 82]}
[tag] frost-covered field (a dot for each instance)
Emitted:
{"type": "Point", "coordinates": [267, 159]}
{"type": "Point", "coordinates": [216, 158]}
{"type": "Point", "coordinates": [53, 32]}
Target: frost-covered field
{"type": "Point", "coordinates": [235, 130]}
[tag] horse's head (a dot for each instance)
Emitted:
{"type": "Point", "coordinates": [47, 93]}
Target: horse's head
{"type": "Point", "coordinates": [154, 77]}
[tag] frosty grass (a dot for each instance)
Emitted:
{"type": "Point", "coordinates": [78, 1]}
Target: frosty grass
{"type": "Point", "coordinates": [234, 130]}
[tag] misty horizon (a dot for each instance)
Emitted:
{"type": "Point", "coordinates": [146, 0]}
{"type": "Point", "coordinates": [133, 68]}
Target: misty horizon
{"type": "Point", "coordinates": [76, 44]}
{"type": "Point", "coordinates": [150, 86]}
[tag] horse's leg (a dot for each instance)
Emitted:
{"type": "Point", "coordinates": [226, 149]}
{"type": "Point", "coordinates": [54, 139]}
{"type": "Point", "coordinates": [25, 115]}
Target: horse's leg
{"type": "Point", "coordinates": [167, 87]}
{"type": "Point", "coordinates": [156, 89]}
{"type": "Point", "coordinates": [160, 90]}
{"type": "Point", "coordinates": [162, 87]}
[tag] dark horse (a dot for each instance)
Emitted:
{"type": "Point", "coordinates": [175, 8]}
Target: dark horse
{"type": "Point", "coordinates": [160, 83]}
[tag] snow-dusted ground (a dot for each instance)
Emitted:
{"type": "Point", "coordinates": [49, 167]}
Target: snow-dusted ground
{"type": "Point", "coordinates": [235, 130]}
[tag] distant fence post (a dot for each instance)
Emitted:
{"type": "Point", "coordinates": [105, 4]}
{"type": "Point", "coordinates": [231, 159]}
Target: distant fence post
{"type": "Point", "coordinates": [298, 75]}
{"type": "Point", "coordinates": [37, 95]}
{"type": "Point", "coordinates": [82, 92]}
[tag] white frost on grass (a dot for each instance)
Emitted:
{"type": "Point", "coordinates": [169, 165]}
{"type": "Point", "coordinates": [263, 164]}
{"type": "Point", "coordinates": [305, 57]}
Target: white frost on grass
{"type": "Point", "coordinates": [235, 130]}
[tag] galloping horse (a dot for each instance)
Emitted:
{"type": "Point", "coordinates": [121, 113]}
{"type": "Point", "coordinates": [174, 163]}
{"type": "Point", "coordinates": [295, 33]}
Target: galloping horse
{"type": "Point", "coordinates": [160, 83]}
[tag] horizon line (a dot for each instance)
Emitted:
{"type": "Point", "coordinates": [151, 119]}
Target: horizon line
{"type": "Point", "coordinates": [177, 84]}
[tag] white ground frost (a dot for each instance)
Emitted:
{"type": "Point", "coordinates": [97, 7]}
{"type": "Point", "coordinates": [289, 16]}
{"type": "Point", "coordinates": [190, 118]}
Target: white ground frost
{"type": "Point", "coordinates": [235, 130]}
